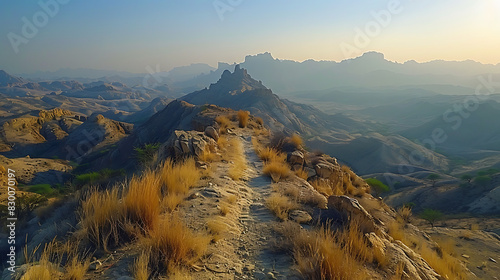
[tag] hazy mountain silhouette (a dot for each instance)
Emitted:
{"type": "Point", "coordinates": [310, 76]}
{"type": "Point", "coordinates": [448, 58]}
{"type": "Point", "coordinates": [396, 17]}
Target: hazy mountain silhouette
{"type": "Point", "coordinates": [6, 79]}
{"type": "Point", "coordinates": [369, 70]}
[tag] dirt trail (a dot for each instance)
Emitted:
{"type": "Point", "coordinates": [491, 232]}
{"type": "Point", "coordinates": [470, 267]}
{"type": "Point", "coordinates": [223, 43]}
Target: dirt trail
{"type": "Point", "coordinates": [245, 250]}
{"type": "Point", "coordinates": [258, 220]}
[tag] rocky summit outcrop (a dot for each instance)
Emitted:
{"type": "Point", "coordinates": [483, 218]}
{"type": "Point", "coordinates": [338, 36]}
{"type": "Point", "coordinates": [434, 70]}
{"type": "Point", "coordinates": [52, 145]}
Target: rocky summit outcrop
{"type": "Point", "coordinates": [187, 143]}
{"type": "Point", "coordinates": [239, 91]}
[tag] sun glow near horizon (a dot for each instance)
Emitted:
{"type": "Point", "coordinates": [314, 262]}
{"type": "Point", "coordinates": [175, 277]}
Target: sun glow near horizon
{"type": "Point", "coordinates": [180, 33]}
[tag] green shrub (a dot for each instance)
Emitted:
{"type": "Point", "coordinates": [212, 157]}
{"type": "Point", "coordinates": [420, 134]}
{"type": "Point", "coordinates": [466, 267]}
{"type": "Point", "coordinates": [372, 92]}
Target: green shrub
{"type": "Point", "coordinates": [433, 178]}
{"type": "Point", "coordinates": [377, 186]}
{"type": "Point", "coordinates": [42, 189]}
{"type": "Point", "coordinates": [88, 178]}
{"type": "Point", "coordinates": [146, 153]}
{"type": "Point", "coordinates": [431, 215]}
{"type": "Point", "coordinates": [490, 171]}
{"type": "Point", "coordinates": [482, 180]}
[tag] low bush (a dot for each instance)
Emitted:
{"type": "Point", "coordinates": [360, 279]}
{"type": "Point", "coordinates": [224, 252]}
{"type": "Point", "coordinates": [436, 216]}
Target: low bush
{"type": "Point", "coordinates": [42, 189]}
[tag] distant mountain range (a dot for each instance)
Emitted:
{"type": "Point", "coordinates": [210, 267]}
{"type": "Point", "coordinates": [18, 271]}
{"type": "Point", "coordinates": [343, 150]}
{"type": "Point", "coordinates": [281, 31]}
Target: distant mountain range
{"type": "Point", "coordinates": [367, 71]}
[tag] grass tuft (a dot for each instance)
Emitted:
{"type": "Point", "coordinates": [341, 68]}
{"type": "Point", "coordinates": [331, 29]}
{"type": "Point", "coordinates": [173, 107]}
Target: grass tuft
{"type": "Point", "coordinates": [179, 178]}
{"type": "Point", "coordinates": [142, 201]}
{"type": "Point", "coordinates": [296, 140]}
{"type": "Point", "coordinates": [141, 266]}
{"type": "Point", "coordinates": [280, 205]}
{"type": "Point", "coordinates": [103, 217]}
{"type": "Point", "coordinates": [243, 118]}
{"type": "Point", "coordinates": [172, 244]}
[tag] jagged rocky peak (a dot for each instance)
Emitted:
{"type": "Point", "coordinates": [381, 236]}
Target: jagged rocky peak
{"type": "Point", "coordinates": [237, 82]}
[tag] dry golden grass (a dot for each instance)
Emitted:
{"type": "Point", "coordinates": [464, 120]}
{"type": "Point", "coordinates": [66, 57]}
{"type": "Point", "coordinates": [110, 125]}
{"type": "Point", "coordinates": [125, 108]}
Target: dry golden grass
{"type": "Point", "coordinates": [355, 243]}
{"type": "Point", "coordinates": [217, 227]}
{"type": "Point", "coordinates": [232, 199]}
{"type": "Point", "coordinates": [275, 164]}
{"type": "Point", "coordinates": [328, 187]}
{"type": "Point", "coordinates": [222, 142]}
{"type": "Point", "coordinates": [441, 259]}
{"type": "Point", "coordinates": [380, 257]}
{"type": "Point", "coordinates": [237, 156]}
{"type": "Point", "coordinates": [269, 155]}
{"type": "Point", "coordinates": [103, 218]}
{"type": "Point", "coordinates": [44, 269]}
{"type": "Point", "coordinates": [280, 205]}
{"type": "Point", "coordinates": [208, 155]}
{"type": "Point", "coordinates": [179, 178]}
{"type": "Point", "coordinates": [224, 123]}
{"type": "Point", "coordinates": [76, 268]}
{"type": "Point", "coordinates": [51, 259]}
{"type": "Point", "coordinates": [141, 269]}
{"type": "Point", "coordinates": [277, 170]}
{"type": "Point", "coordinates": [109, 218]}
{"type": "Point", "coordinates": [243, 118]}
{"type": "Point", "coordinates": [142, 200]}
{"type": "Point", "coordinates": [259, 121]}
{"type": "Point", "coordinates": [319, 256]}
{"type": "Point", "coordinates": [171, 201]}
{"type": "Point", "coordinates": [172, 244]}
{"type": "Point", "coordinates": [178, 273]}
{"type": "Point", "coordinates": [296, 140]}
{"type": "Point", "coordinates": [397, 232]}
{"type": "Point", "coordinates": [225, 208]}
{"type": "Point", "coordinates": [443, 263]}
{"type": "Point", "coordinates": [474, 227]}
{"type": "Point", "coordinates": [301, 173]}
{"type": "Point", "coordinates": [404, 213]}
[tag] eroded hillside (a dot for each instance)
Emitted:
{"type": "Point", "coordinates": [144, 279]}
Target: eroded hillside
{"type": "Point", "coordinates": [224, 198]}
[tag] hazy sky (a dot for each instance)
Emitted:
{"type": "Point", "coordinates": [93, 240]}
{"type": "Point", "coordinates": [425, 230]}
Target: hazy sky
{"type": "Point", "coordinates": [130, 35]}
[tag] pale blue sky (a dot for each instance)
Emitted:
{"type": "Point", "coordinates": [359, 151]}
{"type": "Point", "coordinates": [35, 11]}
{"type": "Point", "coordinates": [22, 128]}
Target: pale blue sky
{"type": "Point", "coordinates": [130, 35]}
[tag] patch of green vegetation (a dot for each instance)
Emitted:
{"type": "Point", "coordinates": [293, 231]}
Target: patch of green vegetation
{"type": "Point", "coordinates": [87, 178]}
{"type": "Point", "coordinates": [377, 186]}
{"type": "Point", "coordinates": [409, 205]}
{"type": "Point", "coordinates": [490, 171]}
{"type": "Point", "coordinates": [42, 189]}
{"type": "Point", "coordinates": [433, 178]}
{"type": "Point", "coordinates": [95, 177]}
{"type": "Point", "coordinates": [482, 180]}
{"type": "Point", "coordinates": [431, 215]}
{"type": "Point", "coordinates": [146, 153]}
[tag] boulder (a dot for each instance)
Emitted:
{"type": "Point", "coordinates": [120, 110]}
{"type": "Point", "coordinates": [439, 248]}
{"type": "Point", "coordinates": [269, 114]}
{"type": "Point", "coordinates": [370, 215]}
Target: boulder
{"type": "Point", "coordinates": [198, 145]}
{"type": "Point", "coordinates": [184, 143]}
{"type": "Point", "coordinates": [354, 210]}
{"type": "Point", "coordinates": [329, 217]}
{"type": "Point", "coordinates": [325, 170]}
{"type": "Point", "coordinates": [299, 216]}
{"type": "Point", "coordinates": [210, 131]}
{"type": "Point", "coordinates": [296, 157]}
